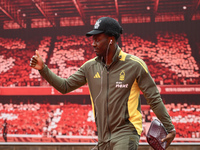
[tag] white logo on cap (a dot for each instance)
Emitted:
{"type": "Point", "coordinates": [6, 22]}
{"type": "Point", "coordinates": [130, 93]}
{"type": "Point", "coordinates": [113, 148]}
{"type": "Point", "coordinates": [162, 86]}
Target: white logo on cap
{"type": "Point", "coordinates": [97, 24]}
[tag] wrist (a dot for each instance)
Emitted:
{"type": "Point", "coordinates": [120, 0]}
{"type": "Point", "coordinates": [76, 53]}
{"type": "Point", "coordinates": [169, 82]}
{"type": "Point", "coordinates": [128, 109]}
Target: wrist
{"type": "Point", "coordinates": [173, 130]}
{"type": "Point", "coordinates": [43, 65]}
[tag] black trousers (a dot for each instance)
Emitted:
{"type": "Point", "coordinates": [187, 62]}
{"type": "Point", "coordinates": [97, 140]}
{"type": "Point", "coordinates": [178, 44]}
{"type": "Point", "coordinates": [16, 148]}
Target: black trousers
{"type": "Point", "coordinates": [5, 136]}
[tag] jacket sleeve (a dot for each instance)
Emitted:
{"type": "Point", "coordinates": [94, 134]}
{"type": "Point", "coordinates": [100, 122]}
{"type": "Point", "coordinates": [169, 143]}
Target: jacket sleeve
{"type": "Point", "coordinates": [153, 97]}
{"type": "Point", "coordinates": [64, 85]}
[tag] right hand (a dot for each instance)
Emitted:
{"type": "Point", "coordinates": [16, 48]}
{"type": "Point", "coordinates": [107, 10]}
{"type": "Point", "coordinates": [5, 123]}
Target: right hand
{"type": "Point", "coordinates": [36, 61]}
{"type": "Point", "coordinates": [169, 138]}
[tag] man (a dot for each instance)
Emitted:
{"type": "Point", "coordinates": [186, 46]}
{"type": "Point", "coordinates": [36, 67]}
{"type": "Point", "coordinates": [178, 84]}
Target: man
{"type": "Point", "coordinates": [5, 130]}
{"type": "Point", "coordinates": [115, 79]}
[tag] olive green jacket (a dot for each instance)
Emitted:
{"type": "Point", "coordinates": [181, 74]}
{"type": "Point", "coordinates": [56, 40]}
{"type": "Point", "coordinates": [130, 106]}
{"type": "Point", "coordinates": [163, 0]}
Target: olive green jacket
{"type": "Point", "coordinates": [115, 93]}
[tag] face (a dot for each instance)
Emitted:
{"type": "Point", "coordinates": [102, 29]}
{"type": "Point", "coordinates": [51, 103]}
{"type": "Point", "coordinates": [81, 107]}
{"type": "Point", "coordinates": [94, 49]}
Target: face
{"type": "Point", "coordinates": [100, 44]}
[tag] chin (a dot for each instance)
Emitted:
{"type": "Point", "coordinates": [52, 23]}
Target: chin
{"type": "Point", "coordinates": [98, 54]}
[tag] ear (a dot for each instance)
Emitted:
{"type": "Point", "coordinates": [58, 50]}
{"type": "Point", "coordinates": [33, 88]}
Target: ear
{"type": "Point", "coordinates": [110, 41]}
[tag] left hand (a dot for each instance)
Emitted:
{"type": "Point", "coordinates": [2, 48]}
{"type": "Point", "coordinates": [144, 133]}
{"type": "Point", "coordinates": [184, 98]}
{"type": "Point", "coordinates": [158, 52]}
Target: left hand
{"type": "Point", "coordinates": [169, 138]}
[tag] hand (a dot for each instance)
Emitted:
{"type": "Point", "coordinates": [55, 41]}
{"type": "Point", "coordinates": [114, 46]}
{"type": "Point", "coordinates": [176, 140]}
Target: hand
{"type": "Point", "coordinates": [169, 138]}
{"type": "Point", "coordinates": [36, 61]}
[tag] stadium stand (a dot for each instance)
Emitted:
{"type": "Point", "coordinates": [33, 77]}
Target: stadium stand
{"type": "Point", "coordinates": [170, 60]}
{"type": "Point", "coordinates": [34, 122]}
{"type": "Point", "coordinates": [15, 53]}
{"type": "Point", "coordinates": [47, 120]}
{"type": "Point", "coordinates": [69, 53]}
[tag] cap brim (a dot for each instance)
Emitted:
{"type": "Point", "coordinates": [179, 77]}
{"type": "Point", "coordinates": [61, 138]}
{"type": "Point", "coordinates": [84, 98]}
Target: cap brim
{"type": "Point", "coordinates": [94, 32]}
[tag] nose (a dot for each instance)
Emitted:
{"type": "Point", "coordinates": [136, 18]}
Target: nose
{"type": "Point", "coordinates": [94, 44]}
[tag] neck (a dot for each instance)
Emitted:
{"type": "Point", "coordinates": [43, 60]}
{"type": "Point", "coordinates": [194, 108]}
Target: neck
{"type": "Point", "coordinates": [111, 52]}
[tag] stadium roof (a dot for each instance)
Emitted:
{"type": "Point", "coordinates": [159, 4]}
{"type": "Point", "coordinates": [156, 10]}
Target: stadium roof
{"type": "Point", "coordinates": [127, 11]}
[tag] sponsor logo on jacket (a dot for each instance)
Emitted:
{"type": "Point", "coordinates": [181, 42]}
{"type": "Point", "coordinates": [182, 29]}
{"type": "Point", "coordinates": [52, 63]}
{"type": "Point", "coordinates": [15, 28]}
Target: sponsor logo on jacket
{"type": "Point", "coordinates": [121, 85]}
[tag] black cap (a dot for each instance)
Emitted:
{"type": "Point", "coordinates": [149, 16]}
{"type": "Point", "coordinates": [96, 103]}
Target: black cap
{"type": "Point", "coordinates": [106, 25]}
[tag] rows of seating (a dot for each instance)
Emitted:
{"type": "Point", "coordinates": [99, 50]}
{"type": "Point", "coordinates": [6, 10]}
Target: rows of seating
{"type": "Point", "coordinates": [12, 43]}
{"type": "Point", "coordinates": [15, 56]}
{"type": "Point", "coordinates": [24, 118]}
{"type": "Point", "coordinates": [170, 60]}
{"type": "Point", "coordinates": [69, 53]}
{"type": "Point", "coordinates": [77, 120]}
{"type": "Point", "coordinates": [74, 121]}
{"type": "Point", "coordinates": [175, 53]}
{"type": "Point", "coordinates": [45, 119]}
